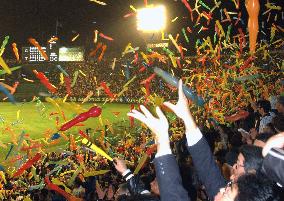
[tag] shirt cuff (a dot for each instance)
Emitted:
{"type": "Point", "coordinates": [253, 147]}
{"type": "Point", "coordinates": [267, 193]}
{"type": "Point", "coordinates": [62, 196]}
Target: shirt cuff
{"type": "Point", "coordinates": [163, 150]}
{"type": "Point", "coordinates": [193, 136]}
{"type": "Point", "coordinates": [126, 172]}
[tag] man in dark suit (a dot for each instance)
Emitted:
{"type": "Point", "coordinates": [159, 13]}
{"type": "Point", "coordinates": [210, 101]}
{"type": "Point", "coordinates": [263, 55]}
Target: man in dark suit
{"type": "Point", "coordinates": [169, 180]}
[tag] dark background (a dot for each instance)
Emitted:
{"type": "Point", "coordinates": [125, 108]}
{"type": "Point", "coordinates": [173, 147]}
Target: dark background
{"type": "Point", "coordinates": [21, 19]}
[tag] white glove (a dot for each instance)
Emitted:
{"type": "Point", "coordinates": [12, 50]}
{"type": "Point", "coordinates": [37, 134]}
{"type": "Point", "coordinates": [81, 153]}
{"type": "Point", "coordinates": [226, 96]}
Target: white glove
{"type": "Point", "coordinates": [159, 126]}
{"type": "Point", "coordinates": [181, 109]}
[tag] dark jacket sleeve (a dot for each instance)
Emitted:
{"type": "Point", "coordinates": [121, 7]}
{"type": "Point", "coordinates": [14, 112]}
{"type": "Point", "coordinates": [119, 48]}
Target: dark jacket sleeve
{"type": "Point", "coordinates": [135, 185]}
{"type": "Point", "coordinates": [169, 180]}
{"type": "Point", "coordinates": [273, 165]}
{"type": "Point", "coordinates": [206, 167]}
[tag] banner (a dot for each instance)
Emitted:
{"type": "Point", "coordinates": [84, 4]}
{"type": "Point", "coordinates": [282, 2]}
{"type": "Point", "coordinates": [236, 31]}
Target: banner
{"type": "Point", "coordinates": [107, 99]}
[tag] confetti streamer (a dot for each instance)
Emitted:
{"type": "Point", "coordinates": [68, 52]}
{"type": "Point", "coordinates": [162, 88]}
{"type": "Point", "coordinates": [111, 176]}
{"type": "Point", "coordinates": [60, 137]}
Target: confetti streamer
{"type": "Point", "coordinates": [107, 90]}
{"type": "Point", "coordinates": [105, 37]}
{"type": "Point", "coordinates": [113, 64]}
{"type": "Point", "coordinates": [75, 77]}
{"type": "Point", "coordinates": [185, 36]}
{"type": "Point", "coordinates": [141, 163]}
{"type": "Point", "coordinates": [5, 66]}
{"type": "Point", "coordinates": [242, 114]}
{"type": "Point", "coordinates": [36, 44]}
{"type": "Point", "coordinates": [16, 51]}
{"type": "Point", "coordinates": [54, 187]}
{"type": "Point", "coordinates": [99, 2]}
{"type": "Point", "coordinates": [62, 70]}
{"type": "Point", "coordinates": [173, 20]}
{"type": "Point", "coordinates": [58, 183]}
{"type": "Point", "coordinates": [95, 173]}
{"type": "Point", "coordinates": [44, 80]}
{"type": "Point", "coordinates": [252, 7]}
{"type": "Point", "coordinates": [92, 112]}
{"type": "Point", "coordinates": [4, 43]}
{"type": "Point", "coordinates": [6, 92]}
{"type": "Point", "coordinates": [75, 37]}
{"type": "Point", "coordinates": [104, 47]}
{"type": "Point", "coordinates": [188, 8]}
{"type": "Point", "coordinates": [67, 81]}
{"type": "Point", "coordinates": [27, 165]}
{"type": "Point", "coordinates": [96, 149]}
{"type": "Point", "coordinates": [9, 152]}
{"type": "Point", "coordinates": [89, 95]}
{"type": "Point", "coordinates": [28, 80]}
{"type": "Point", "coordinates": [174, 82]}
{"type": "Point", "coordinates": [75, 174]}
{"type": "Point", "coordinates": [174, 42]}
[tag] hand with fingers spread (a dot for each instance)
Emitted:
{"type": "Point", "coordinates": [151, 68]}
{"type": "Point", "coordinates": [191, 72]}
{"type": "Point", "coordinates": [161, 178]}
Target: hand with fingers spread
{"type": "Point", "coordinates": [159, 126]}
{"type": "Point", "coordinates": [120, 165]}
{"type": "Point", "coordinates": [181, 109]}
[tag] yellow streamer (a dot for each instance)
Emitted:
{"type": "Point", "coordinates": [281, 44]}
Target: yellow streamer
{"type": "Point", "coordinates": [96, 149]}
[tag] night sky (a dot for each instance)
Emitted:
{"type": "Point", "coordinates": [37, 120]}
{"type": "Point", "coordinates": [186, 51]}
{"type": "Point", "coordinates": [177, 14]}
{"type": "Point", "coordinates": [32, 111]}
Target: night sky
{"type": "Point", "coordinates": [21, 19]}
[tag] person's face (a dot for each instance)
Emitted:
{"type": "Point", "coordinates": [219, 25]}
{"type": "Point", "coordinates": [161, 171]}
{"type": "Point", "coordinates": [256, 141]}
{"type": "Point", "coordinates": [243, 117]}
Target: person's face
{"type": "Point", "coordinates": [280, 108]}
{"type": "Point", "coordinates": [238, 168]}
{"type": "Point", "coordinates": [155, 187]}
{"type": "Point", "coordinates": [260, 110]}
{"type": "Point", "coordinates": [229, 193]}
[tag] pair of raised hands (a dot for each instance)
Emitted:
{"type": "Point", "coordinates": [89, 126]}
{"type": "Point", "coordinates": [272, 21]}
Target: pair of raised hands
{"type": "Point", "coordinates": [159, 125]}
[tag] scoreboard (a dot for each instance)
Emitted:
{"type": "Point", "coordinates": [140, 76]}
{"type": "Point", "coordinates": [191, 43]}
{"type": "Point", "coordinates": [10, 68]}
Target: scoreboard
{"type": "Point", "coordinates": [32, 54]}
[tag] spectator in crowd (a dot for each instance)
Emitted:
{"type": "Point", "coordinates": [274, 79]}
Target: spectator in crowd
{"type": "Point", "coordinates": [198, 148]}
{"type": "Point", "coordinates": [266, 116]}
{"type": "Point", "coordinates": [280, 105]}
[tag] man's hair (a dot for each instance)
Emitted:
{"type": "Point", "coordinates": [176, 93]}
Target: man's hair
{"type": "Point", "coordinates": [253, 187]}
{"type": "Point", "coordinates": [235, 140]}
{"type": "Point", "coordinates": [265, 104]}
{"type": "Point", "coordinates": [253, 157]}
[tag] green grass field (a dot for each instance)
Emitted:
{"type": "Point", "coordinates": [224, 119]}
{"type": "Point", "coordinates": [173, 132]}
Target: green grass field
{"type": "Point", "coordinates": [27, 117]}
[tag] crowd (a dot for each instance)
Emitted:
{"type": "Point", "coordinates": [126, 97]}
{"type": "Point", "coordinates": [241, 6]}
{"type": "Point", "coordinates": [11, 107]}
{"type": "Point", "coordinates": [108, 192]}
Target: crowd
{"type": "Point", "coordinates": [228, 149]}
{"type": "Point", "coordinates": [189, 162]}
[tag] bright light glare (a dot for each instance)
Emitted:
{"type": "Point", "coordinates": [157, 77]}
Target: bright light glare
{"type": "Point", "coordinates": [151, 19]}
{"type": "Point", "coordinates": [63, 49]}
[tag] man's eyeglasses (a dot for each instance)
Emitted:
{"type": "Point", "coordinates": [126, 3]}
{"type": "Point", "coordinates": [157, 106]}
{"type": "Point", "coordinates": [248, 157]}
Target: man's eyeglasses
{"type": "Point", "coordinates": [228, 188]}
{"type": "Point", "coordinates": [229, 185]}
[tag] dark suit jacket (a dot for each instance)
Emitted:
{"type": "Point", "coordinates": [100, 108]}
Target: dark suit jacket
{"type": "Point", "coordinates": [273, 165]}
{"type": "Point", "coordinates": [206, 167]}
{"type": "Point", "coordinates": [169, 180]}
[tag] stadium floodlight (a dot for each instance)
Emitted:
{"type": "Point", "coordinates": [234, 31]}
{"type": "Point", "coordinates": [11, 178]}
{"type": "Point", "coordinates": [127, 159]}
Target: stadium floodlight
{"type": "Point", "coordinates": [151, 19]}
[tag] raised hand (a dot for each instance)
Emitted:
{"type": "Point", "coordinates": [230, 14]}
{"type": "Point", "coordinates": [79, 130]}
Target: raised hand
{"type": "Point", "coordinates": [120, 165]}
{"type": "Point", "coordinates": [181, 109]}
{"type": "Point", "coordinates": [159, 126]}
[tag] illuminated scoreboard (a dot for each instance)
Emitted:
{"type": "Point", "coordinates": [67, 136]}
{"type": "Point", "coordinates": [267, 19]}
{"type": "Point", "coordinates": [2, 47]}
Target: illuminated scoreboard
{"type": "Point", "coordinates": [55, 54]}
{"type": "Point", "coordinates": [32, 54]}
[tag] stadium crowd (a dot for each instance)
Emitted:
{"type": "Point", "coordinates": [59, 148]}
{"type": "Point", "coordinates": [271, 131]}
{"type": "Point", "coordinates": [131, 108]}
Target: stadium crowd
{"type": "Point", "coordinates": [189, 161]}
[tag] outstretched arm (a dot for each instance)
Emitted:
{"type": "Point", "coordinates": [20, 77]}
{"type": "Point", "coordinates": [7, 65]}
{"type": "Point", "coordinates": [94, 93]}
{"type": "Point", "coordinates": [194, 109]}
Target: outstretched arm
{"type": "Point", "coordinates": [134, 185]}
{"type": "Point", "coordinates": [167, 171]}
{"type": "Point", "coordinates": [203, 160]}
{"type": "Point", "coordinates": [273, 163]}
